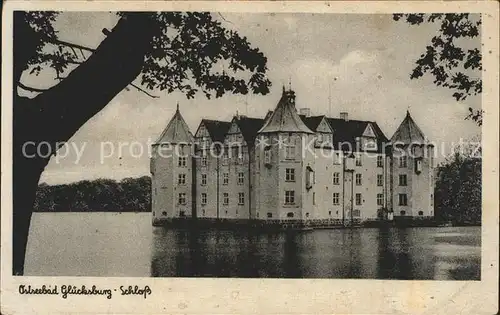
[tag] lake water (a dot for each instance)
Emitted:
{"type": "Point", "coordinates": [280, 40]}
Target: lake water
{"type": "Point", "coordinates": [125, 244]}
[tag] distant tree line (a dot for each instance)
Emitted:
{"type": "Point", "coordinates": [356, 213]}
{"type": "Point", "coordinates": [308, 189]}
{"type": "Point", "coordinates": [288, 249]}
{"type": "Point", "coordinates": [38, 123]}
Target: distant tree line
{"type": "Point", "coordinates": [129, 194]}
{"type": "Point", "coordinates": [458, 190]}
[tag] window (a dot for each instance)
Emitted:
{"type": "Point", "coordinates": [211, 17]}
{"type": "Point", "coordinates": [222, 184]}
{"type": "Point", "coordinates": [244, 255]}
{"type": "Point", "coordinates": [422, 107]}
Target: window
{"type": "Point", "coordinates": [314, 198]}
{"type": "Point", "coordinates": [225, 158]}
{"type": "Point", "coordinates": [380, 161]}
{"type": "Point", "coordinates": [203, 213]}
{"type": "Point", "coordinates": [289, 197]}
{"type": "Point", "coordinates": [241, 198]}
{"type": "Point", "coordinates": [182, 198]}
{"type": "Point", "coordinates": [336, 158]}
{"type": "Point", "coordinates": [402, 180]}
{"type": "Point", "coordinates": [269, 215]}
{"type": "Point", "coordinates": [164, 213]}
{"type": "Point", "coordinates": [204, 160]}
{"type": "Point", "coordinates": [380, 180]}
{"type": "Point", "coordinates": [225, 199]}
{"type": "Point", "coordinates": [358, 160]}
{"type": "Point", "coordinates": [290, 149]}
{"type": "Point", "coordinates": [356, 213]}
{"type": "Point", "coordinates": [182, 161]}
{"type": "Point", "coordinates": [203, 198]}
{"type": "Point", "coordinates": [241, 178]}
{"type": "Point", "coordinates": [403, 200]}
{"type": "Point", "coordinates": [204, 142]}
{"type": "Point", "coordinates": [290, 152]}
{"type": "Point", "coordinates": [418, 166]}
{"type": "Point", "coordinates": [267, 155]}
{"type": "Point", "coordinates": [402, 212]}
{"type": "Point", "coordinates": [358, 179]}
{"type": "Point", "coordinates": [182, 213]}
{"type": "Point", "coordinates": [336, 197]}
{"type": "Point", "coordinates": [290, 174]}
{"type": "Point", "coordinates": [358, 199]}
{"type": "Point", "coordinates": [309, 177]}
{"type": "Point", "coordinates": [225, 178]}
{"type": "Point", "coordinates": [240, 156]}
{"type": "Point", "coordinates": [420, 213]}
{"type": "Point", "coordinates": [181, 179]}
{"type": "Point", "coordinates": [403, 161]}
{"type": "Point", "coordinates": [432, 200]}
{"type": "Point", "coordinates": [336, 178]}
{"type": "Point", "coordinates": [203, 179]}
{"type": "Point", "coordinates": [380, 199]}
{"type": "Point", "coordinates": [289, 215]}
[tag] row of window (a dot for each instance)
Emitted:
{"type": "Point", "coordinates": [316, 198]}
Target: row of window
{"type": "Point", "coordinates": [181, 179]}
{"type": "Point", "coordinates": [225, 199]}
{"type": "Point", "coordinates": [290, 177]}
{"type": "Point", "coordinates": [289, 154]}
{"type": "Point", "coordinates": [290, 198]}
{"type": "Point", "coordinates": [356, 212]}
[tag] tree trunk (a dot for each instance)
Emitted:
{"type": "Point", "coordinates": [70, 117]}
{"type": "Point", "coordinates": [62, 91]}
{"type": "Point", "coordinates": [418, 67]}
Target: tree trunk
{"type": "Point", "coordinates": [54, 116]}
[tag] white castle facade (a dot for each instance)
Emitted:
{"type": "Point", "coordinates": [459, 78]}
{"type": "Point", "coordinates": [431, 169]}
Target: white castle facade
{"type": "Point", "coordinates": [291, 169]}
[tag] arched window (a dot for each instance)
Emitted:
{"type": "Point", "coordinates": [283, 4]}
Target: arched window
{"type": "Point", "coordinates": [289, 215]}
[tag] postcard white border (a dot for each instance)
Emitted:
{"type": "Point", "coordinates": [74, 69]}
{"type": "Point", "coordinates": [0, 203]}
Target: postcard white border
{"type": "Point", "coordinates": [270, 296]}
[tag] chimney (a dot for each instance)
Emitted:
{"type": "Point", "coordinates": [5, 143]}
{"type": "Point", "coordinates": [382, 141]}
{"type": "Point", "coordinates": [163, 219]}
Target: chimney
{"type": "Point", "coordinates": [344, 116]}
{"type": "Point", "coordinates": [305, 112]}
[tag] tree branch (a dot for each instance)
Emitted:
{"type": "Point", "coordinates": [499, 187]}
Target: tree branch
{"type": "Point", "coordinates": [68, 44]}
{"type": "Point", "coordinates": [30, 89]}
{"type": "Point", "coordinates": [143, 91]}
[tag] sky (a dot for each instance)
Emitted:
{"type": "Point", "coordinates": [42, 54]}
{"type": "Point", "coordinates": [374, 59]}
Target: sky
{"type": "Point", "coordinates": [371, 56]}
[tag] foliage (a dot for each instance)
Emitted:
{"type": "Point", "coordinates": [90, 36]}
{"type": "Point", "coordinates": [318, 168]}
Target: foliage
{"type": "Point", "coordinates": [130, 194]}
{"type": "Point", "coordinates": [458, 189]}
{"type": "Point", "coordinates": [452, 66]}
{"type": "Point", "coordinates": [189, 52]}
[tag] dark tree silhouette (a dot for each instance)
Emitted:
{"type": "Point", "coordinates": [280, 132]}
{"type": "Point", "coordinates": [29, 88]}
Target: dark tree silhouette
{"type": "Point", "coordinates": [130, 194]}
{"type": "Point", "coordinates": [452, 66]}
{"type": "Point", "coordinates": [166, 50]}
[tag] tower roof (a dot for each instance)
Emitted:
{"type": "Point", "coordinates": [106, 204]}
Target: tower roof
{"type": "Point", "coordinates": [285, 118]}
{"type": "Point", "coordinates": [408, 131]}
{"type": "Point", "coordinates": [249, 127]}
{"type": "Point", "coordinates": [176, 131]}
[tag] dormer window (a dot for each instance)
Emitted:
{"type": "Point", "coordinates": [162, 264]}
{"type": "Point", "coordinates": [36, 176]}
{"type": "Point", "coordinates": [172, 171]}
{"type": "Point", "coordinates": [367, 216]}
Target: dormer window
{"type": "Point", "coordinates": [369, 144]}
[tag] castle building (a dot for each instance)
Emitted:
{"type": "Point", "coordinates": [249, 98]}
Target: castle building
{"type": "Point", "coordinates": [291, 169]}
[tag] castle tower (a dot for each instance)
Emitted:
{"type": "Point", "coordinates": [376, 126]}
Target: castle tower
{"type": "Point", "coordinates": [172, 172]}
{"type": "Point", "coordinates": [283, 181]}
{"type": "Point", "coordinates": [412, 171]}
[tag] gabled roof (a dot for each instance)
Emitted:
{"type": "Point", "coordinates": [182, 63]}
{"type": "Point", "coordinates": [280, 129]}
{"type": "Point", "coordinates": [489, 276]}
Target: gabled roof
{"type": "Point", "coordinates": [177, 130]}
{"type": "Point", "coordinates": [408, 131]}
{"type": "Point", "coordinates": [217, 129]}
{"type": "Point", "coordinates": [285, 118]}
{"type": "Point", "coordinates": [346, 131]}
{"type": "Point", "coordinates": [249, 127]}
{"type": "Point", "coordinates": [312, 122]}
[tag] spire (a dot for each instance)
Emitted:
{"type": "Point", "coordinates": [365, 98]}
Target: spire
{"type": "Point", "coordinates": [177, 131]}
{"type": "Point", "coordinates": [285, 118]}
{"type": "Point", "coordinates": [408, 131]}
